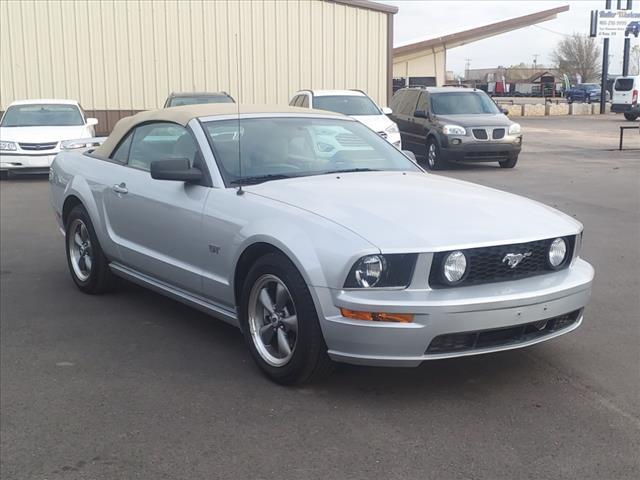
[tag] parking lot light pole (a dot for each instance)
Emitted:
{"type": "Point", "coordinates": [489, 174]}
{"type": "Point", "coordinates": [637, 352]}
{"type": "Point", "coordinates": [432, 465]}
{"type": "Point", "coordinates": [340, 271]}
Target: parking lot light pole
{"type": "Point", "coordinates": [605, 67]}
{"type": "Point", "coordinates": [627, 47]}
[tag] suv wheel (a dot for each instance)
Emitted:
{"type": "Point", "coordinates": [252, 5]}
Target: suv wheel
{"type": "Point", "coordinates": [631, 116]}
{"type": "Point", "coordinates": [88, 266]}
{"type": "Point", "coordinates": [509, 163]}
{"type": "Point", "coordinates": [280, 323]}
{"type": "Point", "coordinates": [434, 159]}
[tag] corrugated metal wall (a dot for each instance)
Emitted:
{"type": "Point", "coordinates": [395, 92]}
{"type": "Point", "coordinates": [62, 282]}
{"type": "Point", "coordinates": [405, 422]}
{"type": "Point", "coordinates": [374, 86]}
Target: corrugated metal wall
{"type": "Point", "coordinates": [129, 54]}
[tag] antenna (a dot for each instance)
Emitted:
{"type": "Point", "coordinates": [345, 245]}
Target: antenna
{"type": "Point", "coordinates": [239, 85]}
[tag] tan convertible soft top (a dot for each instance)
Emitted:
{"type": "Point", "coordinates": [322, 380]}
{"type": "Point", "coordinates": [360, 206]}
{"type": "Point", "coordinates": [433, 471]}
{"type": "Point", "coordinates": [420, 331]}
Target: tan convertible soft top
{"type": "Point", "coordinates": [184, 114]}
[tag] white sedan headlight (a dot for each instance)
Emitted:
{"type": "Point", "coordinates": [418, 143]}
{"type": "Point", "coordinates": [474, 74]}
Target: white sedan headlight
{"type": "Point", "coordinates": [393, 128]}
{"type": "Point", "coordinates": [455, 266]}
{"type": "Point", "coordinates": [11, 146]}
{"type": "Point", "coordinates": [557, 253]}
{"type": "Point", "coordinates": [515, 129]}
{"type": "Point", "coordinates": [454, 130]}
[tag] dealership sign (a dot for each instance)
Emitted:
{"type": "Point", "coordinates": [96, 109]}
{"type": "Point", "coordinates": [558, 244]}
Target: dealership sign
{"type": "Point", "coordinates": [615, 23]}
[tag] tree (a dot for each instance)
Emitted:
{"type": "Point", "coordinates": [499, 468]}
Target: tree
{"type": "Point", "coordinates": [578, 54]}
{"type": "Point", "coordinates": [634, 60]}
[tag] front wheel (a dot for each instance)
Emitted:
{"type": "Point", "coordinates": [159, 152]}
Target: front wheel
{"type": "Point", "coordinates": [631, 116]}
{"type": "Point", "coordinates": [88, 265]}
{"type": "Point", "coordinates": [509, 163]}
{"type": "Point", "coordinates": [434, 157]}
{"type": "Point", "coordinates": [280, 323]}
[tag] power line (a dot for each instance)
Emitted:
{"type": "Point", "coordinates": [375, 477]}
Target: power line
{"type": "Point", "coordinates": [552, 31]}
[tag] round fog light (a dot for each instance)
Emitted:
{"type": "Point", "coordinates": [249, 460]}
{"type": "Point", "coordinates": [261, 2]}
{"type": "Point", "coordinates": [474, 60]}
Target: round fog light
{"type": "Point", "coordinates": [455, 266]}
{"type": "Point", "coordinates": [456, 141]}
{"type": "Point", "coordinates": [557, 252]}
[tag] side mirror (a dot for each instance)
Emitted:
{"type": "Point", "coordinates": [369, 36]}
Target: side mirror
{"type": "Point", "coordinates": [505, 111]}
{"type": "Point", "coordinates": [410, 155]}
{"type": "Point", "coordinates": [92, 121]}
{"type": "Point", "coordinates": [178, 169]}
{"type": "Point", "coordinates": [421, 114]}
{"type": "Point", "coordinates": [387, 110]}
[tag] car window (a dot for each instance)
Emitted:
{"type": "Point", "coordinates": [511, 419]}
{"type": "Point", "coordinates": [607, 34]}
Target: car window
{"type": "Point", "coordinates": [623, 84]}
{"type": "Point", "coordinates": [160, 141]}
{"type": "Point", "coordinates": [299, 147]}
{"type": "Point", "coordinates": [409, 102]}
{"type": "Point", "coordinates": [121, 153]}
{"type": "Point", "coordinates": [305, 101]}
{"type": "Point", "coordinates": [422, 102]}
{"type": "Point", "coordinates": [347, 104]}
{"type": "Point", "coordinates": [179, 101]}
{"type": "Point", "coordinates": [396, 100]}
{"type": "Point", "coordinates": [462, 103]}
{"type": "Point", "coordinates": [294, 100]}
{"type": "Point", "coordinates": [34, 115]}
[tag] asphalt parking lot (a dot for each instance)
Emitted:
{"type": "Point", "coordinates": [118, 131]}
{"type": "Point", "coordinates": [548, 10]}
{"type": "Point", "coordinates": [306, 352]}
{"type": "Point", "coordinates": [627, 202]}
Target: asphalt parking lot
{"type": "Point", "coordinates": [134, 385]}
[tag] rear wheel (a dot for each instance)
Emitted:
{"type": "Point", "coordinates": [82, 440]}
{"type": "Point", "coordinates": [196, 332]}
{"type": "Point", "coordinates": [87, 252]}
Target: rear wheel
{"type": "Point", "coordinates": [88, 266]}
{"type": "Point", "coordinates": [509, 163]}
{"type": "Point", "coordinates": [434, 157]}
{"type": "Point", "coordinates": [631, 116]}
{"type": "Point", "coordinates": [280, 323]}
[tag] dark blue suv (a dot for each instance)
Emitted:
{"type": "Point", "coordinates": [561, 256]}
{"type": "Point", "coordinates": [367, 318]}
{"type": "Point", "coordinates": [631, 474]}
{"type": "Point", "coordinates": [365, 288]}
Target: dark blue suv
{"type": "Point", "coordinates": [632, 29]}
{"type": "Point", "coordinates": [584, 92]}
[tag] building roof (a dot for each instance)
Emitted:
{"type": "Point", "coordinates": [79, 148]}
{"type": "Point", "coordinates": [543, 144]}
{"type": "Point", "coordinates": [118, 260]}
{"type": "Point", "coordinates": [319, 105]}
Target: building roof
{"type": "Point", "coordinates": [467, 36]}
{"type": "Point", "coordinates": [184, 114]}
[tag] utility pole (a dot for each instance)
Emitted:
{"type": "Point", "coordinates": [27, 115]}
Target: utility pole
{"type": "Point", "coordinates": [466, 68]}
{"type": "Point", "coordinates": [627, 47]}
{"type": "Point", "coordinates": [535, 60]}
{"type": "Point", "coordinates": [605, 67]}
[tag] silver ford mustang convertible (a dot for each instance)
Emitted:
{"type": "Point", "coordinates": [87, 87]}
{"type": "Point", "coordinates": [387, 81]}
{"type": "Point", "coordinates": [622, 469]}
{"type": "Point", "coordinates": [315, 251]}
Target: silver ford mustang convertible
{"type": "Point", "coordinates": [317, 238]}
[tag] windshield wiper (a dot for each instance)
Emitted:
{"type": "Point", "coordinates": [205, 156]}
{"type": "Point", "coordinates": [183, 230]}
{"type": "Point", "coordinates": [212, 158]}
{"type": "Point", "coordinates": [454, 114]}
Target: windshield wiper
{"type": "Point", "coordinates": [259, 179]}
{"type": "Point", "coordinates": [351, 170]}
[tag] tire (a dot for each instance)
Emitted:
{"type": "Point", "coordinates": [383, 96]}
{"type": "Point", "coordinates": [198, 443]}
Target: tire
{"type": "Point", "coordinates": [433, 156]}
{"type": "Point", "coordinates": [306, 360]}
{"type": "Point", "coordinates": [631, 116]}
{"type": "Point", "coordinates": [82, 246]}
{"type": "Point", "coordinates": [510, 163]}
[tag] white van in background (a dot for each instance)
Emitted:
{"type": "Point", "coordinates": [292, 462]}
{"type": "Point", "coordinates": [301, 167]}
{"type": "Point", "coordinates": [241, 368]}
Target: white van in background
{"type": "Point", "coordinates": [625, 97]}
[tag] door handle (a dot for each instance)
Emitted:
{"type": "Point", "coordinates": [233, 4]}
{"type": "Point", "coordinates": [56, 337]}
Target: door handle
{"type": "Point", "coordinates": [122, 188]}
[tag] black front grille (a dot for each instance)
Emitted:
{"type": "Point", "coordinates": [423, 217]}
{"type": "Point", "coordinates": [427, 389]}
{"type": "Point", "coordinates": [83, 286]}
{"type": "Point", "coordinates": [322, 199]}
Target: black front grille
{"type": "Point", "coordinates": [498, 133]}
{"type": "Point", "coordinates": [498, 337]}
{"type": "Point", "coordinates": [38, 146]}
{"type": "Point", "coordinates": [491, 264]}
{"type": "Point", "coordinates": [480, 133]}
{"type": "Point", "coordinates": [487, 154]}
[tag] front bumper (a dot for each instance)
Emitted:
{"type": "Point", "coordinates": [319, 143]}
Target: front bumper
{"type": "Point", "coordinates": [448, 311]}
{"type": "Point", "coordinates": [468, 149]}
{"type": "Point", "coordinates": [22, 163]}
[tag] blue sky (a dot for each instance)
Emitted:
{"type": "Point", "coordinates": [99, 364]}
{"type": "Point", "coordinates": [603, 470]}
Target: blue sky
{"type": "Point", "coordinates": [419, 20]}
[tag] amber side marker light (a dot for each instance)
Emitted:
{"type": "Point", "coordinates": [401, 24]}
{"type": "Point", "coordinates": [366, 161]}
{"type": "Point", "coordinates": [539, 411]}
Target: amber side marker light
{"type": "Point", "coordinates": [377, 316]}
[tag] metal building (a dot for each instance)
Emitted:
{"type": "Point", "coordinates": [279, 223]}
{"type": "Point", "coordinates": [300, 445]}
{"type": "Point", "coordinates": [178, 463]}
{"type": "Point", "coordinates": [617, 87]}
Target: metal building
{"type": "Point", "coordinates": [118, 57]}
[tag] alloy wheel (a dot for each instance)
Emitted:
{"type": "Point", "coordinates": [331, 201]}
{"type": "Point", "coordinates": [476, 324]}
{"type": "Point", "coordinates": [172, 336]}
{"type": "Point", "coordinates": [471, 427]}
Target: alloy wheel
{"type": "Point", "coordinates": [80, 251]}
{"type": "Point", "coordinates": [431, 155]}
{"type": "Point", "coordinates": [273, 322]}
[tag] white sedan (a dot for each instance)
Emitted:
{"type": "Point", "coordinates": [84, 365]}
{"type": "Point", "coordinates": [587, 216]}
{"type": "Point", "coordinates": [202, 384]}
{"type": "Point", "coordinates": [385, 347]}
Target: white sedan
{"type": "Point", "coordinates": [32, 132]}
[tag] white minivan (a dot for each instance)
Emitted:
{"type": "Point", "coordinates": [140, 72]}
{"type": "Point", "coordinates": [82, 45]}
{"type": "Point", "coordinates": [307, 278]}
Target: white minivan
{"type": "Point", "coordinates": [625, 97]}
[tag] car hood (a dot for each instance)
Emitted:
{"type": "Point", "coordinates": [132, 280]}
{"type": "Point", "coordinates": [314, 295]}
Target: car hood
{"type": "Point", "coordinates": [397, 211]}
{"type": "Point", "coordinates": [377, 123]}
{"type": "Point", "coordinates": [43, 134]}
{"type": "Point", "coordinates": [477, 120]}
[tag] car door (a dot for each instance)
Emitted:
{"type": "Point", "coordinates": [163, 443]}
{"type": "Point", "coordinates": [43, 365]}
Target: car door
{"type": "Point", "coordinates": [157, 223]}
{"type": "Point", "coordinates": [413, 124]}
{"type": "Point", "coordinates": [420, 126]}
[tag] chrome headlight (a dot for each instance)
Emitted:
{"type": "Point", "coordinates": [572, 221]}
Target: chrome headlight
{"type": "Point", "coordinates": [454, 130]}
{"type": "Point", "coordinates": [515, 129]}
{"type": "Point", "coordinates": [11, 146]}
{"type": "Point", "coordinates": [394, 270]}
{"type": "Point", "coordinates": [393, 128]}
{"type": "Point", "coordinates": [454, 267]}
{"type": "Point", "coordinates": [557, 253]}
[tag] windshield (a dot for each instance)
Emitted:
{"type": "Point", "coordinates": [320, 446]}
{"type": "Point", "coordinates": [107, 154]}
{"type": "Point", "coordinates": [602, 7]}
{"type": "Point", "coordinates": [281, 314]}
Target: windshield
{"type": "Point", "coordinates": [296, 147]}
{"type": "Point", "coordinates": [36, 115]}
{"type": "Point", "coordinates": [347, 104]}
{"type": "Point", "coordinates": [462, 103]}
{"type": "Point", "coordinates": [179, 101]}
